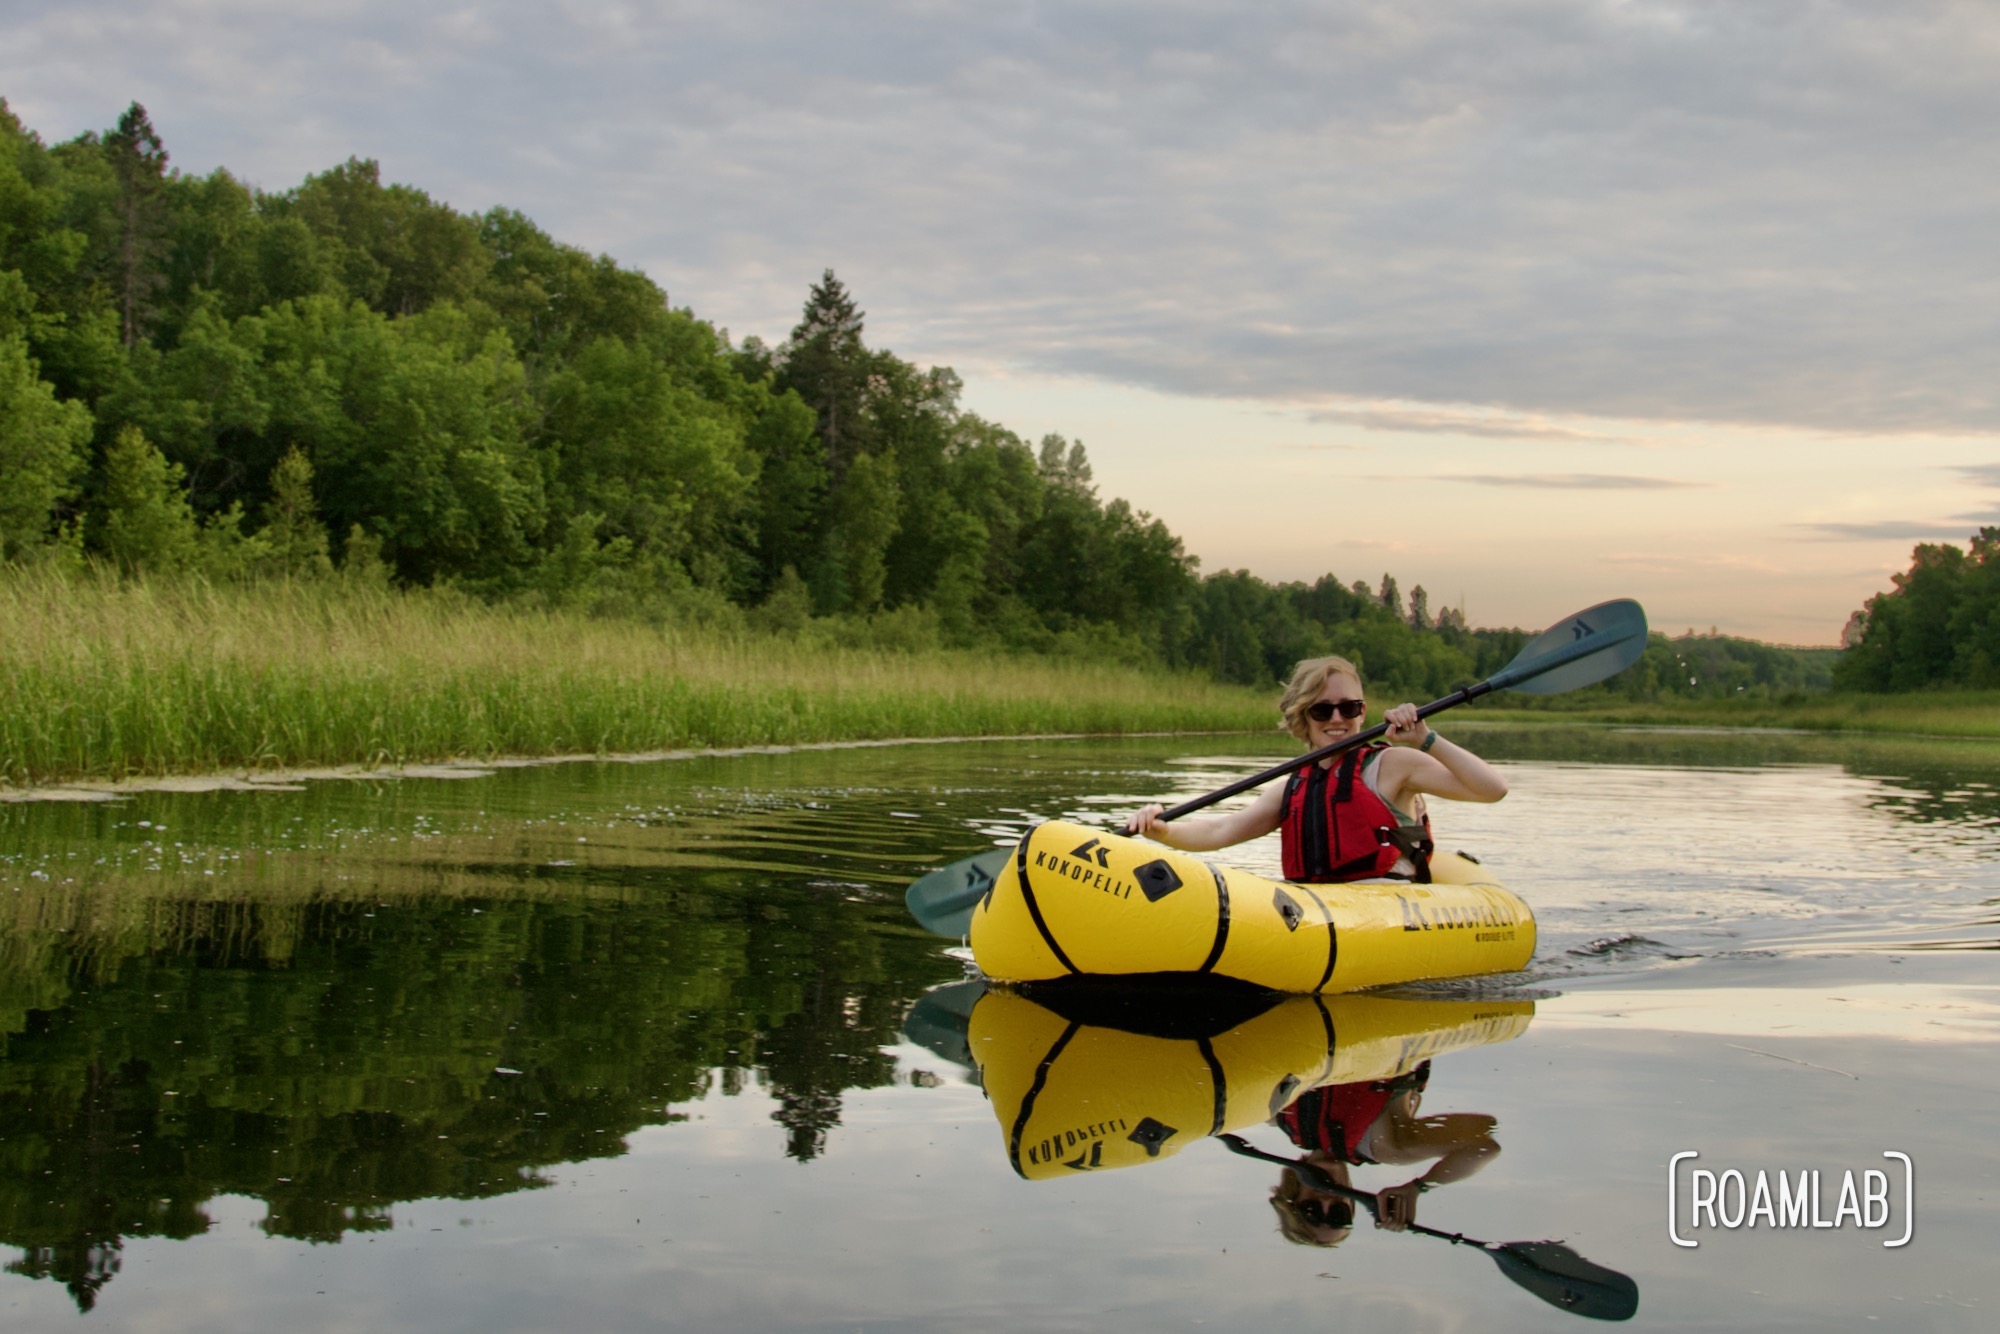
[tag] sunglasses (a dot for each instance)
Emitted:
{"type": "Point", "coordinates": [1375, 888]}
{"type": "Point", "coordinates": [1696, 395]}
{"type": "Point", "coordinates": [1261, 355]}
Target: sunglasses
{"type": "Point", "coordinates": [1330, 1213]}
{"type": "Point", "coordinates": [1321, 711]}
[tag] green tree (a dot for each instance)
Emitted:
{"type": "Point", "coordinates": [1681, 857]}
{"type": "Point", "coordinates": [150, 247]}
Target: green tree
{"type": "Point", "coordinates": [230, 253]}
{"type": "Point", "coordinates": [993, 478]}
{"type": "Point", "coordinates": [666, 469]}
{"type": "Point", "coordinates": [791, 485]}
{"type": "Point", "coordinates": [554, 298]}
{"type": "Point", "coordinates": [292, 529]}
{"type": "Point", "coordinates": [1390, 596]}
{"type": "Point", "coordinates": [142, 520]}
{"type": "Point", "coordinates": [44, 449]}
{"type": "Point", "coordinates": [37, 241]}
{"type": "Point", "coordinates": [58, 232]}
{"type": "Point", "coordinates": [139, 165]}
{"type": "Point", "coordinates": [912, 417]}
{"type": "Point", "coordinates": [827, 365]}
{"type": "Point", "coordinates": [960, 578]}
{"type": "Point", "coordinates": [416, 428]}
{"type": "Point", "coordinates": [864, 516]}
{"type": "Point", "coordinates": [1975, 623]}
{"type": "Point", "coordinates": [1939, 624]}
{"type": "Point", "coordinates": [392, 246]}
{"type": "Point", "coordinates": [205, 403]}
{"type": "Point", "coordinates": [1908, 641]}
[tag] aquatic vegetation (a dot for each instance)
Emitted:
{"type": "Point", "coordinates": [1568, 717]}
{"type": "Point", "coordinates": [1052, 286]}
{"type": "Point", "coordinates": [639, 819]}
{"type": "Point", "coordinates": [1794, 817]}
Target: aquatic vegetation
{"type": "Point", "coordinates": [105, 677]}
{"type": "Point", "coordinates": [1942, 712]}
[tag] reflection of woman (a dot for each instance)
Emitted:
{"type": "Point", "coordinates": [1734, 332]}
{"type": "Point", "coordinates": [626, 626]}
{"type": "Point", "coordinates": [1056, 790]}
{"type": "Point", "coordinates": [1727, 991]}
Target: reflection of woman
{"type": "Point", "coordinates": [1355, 816]}
{"type": "Point", "coordinates": [1374, 1121]}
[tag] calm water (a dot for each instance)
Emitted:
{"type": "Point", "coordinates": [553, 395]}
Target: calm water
{"type": "Point", "coordinates": [631, 1046]}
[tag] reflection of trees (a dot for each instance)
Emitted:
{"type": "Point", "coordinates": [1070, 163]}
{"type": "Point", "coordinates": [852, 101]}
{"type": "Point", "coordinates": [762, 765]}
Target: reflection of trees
{"type": "Point", "coordinates": [1963, 796]}
{"type": "Point", "coordinates": [832, 1042]}
{"type": "Point", "coordinates": [448, 1048]}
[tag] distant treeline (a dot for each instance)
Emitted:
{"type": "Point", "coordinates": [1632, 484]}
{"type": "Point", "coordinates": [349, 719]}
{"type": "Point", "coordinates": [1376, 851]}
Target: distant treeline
{"type": "Point", "coordinates": [351, 377]}
{"type": "Point", "coordinates": [1939, 625]}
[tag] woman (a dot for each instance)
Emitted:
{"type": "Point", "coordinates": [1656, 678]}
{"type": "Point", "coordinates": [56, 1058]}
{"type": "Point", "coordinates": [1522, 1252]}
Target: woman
{"type": "Point", "coordinates": [1355, 816]}
{"type": "Point", "coordinates": [1374, 1121]}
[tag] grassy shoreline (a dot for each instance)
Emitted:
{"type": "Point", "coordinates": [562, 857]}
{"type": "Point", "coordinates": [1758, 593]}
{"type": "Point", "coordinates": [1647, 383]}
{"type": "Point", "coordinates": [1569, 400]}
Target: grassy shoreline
{"type": "Point", "coordinates": [103, 679]}
{"type": "Point", "coordinates": [108, 680]}
{"type": "Point", "coordinates": [1962, 714]}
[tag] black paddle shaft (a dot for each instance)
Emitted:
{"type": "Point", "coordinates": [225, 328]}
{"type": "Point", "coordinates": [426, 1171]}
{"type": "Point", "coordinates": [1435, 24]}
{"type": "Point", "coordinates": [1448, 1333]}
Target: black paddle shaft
{"type": "Point", "coordinates": [1324, 752]}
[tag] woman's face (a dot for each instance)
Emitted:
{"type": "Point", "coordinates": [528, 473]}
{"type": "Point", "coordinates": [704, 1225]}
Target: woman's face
{"type": "Point", "coordinates": [1340, 688]}
{"type": "Point", "coordinates": [1330, 1218]}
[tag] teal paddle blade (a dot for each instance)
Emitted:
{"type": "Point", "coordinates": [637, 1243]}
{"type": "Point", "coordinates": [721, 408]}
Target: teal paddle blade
{"type": "Point", "coordinates": [940, 1019]}
{"type": "Point", "coordinates": [1578, 650]}
{"type": "Point", "coordinates": [1561, 1277]}
{"type": "Point", "coordinates": [942, 902]}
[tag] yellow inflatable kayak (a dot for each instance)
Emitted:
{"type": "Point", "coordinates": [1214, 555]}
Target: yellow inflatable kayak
{"type": "Point", "coordinates": [1075, 902]}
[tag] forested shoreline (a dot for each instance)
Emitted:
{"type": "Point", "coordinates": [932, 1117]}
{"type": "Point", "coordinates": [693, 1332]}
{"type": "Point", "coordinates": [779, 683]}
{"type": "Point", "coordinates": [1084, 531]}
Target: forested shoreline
{"type": "Point", "coordinates": [350, 380]}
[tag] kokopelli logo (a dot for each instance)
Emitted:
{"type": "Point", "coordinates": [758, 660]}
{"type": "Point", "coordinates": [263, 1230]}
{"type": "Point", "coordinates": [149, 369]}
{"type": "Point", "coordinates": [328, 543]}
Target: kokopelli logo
{"type": "Point", "coordinates": [1083, 853]}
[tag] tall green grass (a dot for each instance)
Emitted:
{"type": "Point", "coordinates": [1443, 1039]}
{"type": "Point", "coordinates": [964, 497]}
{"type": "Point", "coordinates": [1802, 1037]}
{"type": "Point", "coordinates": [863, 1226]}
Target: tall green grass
{"type": "Point", "coordinates": [102, 678]}
{"type": "Point", "coordinates": [1944, 713]}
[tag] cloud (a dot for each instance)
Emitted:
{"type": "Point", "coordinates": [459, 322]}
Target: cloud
{"type": "Point", "coordinates": [1943, 530]}
{"type": "Point", "coordinates": [1985, 474]}
{"type": "Point", "coordinates": [1656, 210]}
{"type": "Point", "coordinates": [1429, 420]}
{"type": "Point", "coordinates": [1575, 481]}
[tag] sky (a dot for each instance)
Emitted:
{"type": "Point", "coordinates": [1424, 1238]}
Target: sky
{"type": "Point", "coordinates": [1534, 303]}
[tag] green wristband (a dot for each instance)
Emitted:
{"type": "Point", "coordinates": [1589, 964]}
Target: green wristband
{"type": "Point", "coordinates": [1429, 741]}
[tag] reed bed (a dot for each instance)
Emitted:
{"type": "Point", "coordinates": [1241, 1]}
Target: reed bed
{"type": "Point", "coordinates": [102, 678]}
{"type": "Point", "coordinates": [1973, 714]}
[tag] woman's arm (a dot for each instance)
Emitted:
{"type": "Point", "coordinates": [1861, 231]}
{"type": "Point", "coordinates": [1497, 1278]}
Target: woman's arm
{"type": "Point", "coordinates": [1396, 1207]}
{"type": "Point", "coordinates": [1208, 832]}
{"type": "Point", "coordinates": [1446, 770]}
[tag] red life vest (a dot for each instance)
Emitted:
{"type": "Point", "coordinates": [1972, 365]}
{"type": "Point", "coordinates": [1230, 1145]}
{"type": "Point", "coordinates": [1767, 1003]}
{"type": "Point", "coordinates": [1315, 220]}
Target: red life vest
{"type": "Point", "coordinates": [1333, 1118]}
{"type": "Point", "coordinates": [1334, 827]}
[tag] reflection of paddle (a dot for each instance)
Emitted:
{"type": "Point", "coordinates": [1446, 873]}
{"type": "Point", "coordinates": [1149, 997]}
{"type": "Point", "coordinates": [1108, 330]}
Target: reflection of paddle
{"type": "Point", "coordinates": [1549, 1269]}
{"type": "Point", "coordinates": [1578, 651]}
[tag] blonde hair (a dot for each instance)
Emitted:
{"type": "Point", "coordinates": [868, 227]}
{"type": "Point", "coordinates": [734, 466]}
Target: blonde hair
{"type": "Point", "coordinates": [1295, 1227]}
{"type": "Point", "coordinates": [1309, 678]}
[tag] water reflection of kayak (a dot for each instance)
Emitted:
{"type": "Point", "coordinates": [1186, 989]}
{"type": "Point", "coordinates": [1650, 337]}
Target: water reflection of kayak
{"type": "Point", "coordinates": [1085, 1079]}
{"type": "Point", "coordinates": [1076, 902]}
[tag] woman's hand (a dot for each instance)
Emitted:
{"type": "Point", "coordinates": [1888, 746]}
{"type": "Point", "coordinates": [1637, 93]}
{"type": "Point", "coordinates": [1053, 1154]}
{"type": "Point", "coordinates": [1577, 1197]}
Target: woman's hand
{"type": "Point", "coordinates": [1396, 1207]}
{"type": "Point", "coordinates": [1207, 833]}
{"type": "Point", "coordinates": [1405, 727]}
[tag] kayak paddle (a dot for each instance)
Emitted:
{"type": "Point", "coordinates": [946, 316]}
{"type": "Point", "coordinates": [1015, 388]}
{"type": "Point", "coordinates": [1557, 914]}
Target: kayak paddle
{"type": "Point", "coordinates": [1579, 650]}
{"type": "Point", "coordinates": [1549, 1269]}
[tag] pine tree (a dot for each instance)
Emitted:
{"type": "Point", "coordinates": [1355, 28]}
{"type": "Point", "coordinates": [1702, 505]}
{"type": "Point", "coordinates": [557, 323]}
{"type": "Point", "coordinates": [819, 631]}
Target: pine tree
{"type": "Point", "coordinates": [142, 517]}
{"type": "Point", "coordinates": [139, 164]}
{"type": "Point", "coordinates": [826, 362]}
{"type": "Point", "coordinates": [361, 563]}
{"type": "Point", "coordinates": [292, 526]}
{"type": "Point", "coordinates": [1391, 597]}
{"type": "Point", "coordinates": [1420, 608]}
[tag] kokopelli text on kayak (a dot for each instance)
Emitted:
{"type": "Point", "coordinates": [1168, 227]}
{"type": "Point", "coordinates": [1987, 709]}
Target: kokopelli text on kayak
{"type": "Point", "coordinates": [1702, 1199]}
